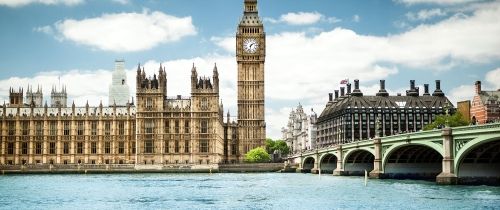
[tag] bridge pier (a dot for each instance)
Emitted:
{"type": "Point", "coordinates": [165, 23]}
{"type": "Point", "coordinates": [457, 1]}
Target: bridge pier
{"type": "Point", "coordinates": [316, 168]}
{"type": "Point", "coordinates": [299, 169]}
{"type": "Point", "coordinates": [339, 171]}
{"type": "Point", "coordinates": [447, 176]}
{"type": "Point", "coordinates": [377, 171]}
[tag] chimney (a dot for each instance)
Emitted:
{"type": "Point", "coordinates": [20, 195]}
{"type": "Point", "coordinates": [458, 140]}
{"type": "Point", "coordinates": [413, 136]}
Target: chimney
{"type": "Point", "coordinates": [336, 94]}
{"type": "Point", "coordinates": [412, 91]}
{"type": "Point", "coordinates": [348, 88]}
{"type": "Point", "coordinates": [426, 90]}
{"type": "Point", "coordinates": [341, 91]}
{"type": "Point", "coordinates": [330, 97]}
{"type": "Point", "coordinates": [438, 91]}
{"type": "Point", "coordinates": [356, 91]}
{"type": "Point", "coordinates": [382, 91]}
{"type": "Point", "coordinates": [477, 84]}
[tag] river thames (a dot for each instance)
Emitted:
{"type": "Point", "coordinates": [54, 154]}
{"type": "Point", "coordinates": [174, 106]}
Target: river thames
{"type": "Point", "coordinates": [235, 191]}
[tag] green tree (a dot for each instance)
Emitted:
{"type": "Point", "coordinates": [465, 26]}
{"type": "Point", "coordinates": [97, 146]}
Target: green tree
{"type": "Point", "coordinates": [454, 120]}
{"type": "Point", "coordinates": [257, 155]}
{"type": "Point", "coordinates": [282, 147]}
{"type": "Point", "coordinates": [279, 145]}
{"type": "Point", "coordinates": [269, 146]}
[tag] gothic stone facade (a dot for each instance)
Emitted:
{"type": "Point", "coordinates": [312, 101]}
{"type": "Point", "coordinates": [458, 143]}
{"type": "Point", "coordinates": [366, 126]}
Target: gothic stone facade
{"type": "Point", "coordinates": [300, 133]}
{"type": "Point", "coordinates": [179, 130]}
{"type": "Point", "coordinates": [46, 135]}
{"type": "Point", "coordinates": [250, 56]}
{"type": "Point", "coordinates": [159, 130]}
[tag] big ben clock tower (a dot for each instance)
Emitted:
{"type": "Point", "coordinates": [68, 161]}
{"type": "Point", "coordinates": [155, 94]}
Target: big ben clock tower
{"type": "Point", "coordinates": [250, 55]}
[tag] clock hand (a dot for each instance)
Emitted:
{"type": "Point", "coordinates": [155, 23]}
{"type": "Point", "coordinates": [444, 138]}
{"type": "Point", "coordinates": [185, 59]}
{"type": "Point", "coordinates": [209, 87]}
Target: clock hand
{"type": "Point", "coordinates": [250, 45]}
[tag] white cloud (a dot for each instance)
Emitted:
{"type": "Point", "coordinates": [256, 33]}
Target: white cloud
{"type": "Point", "coordinates": [121, 1]}
{"type": "Point", "coordinates": [440, 2]}
{"type": "Point", "coordinates": [94, 90]}
{"type": "Point", "coordinates": [125, 32]}
{"type": "Point", "coordinates": [303, 18]}
{"type": "Point", "coordinates": [294, 60]}
{"type": "Point", "coordinates": [226, 43]}
{"type": "Point", "coordinates": [425, 14]}
{"type": "Point", "coordinates": [493, 77]}
{"type": "Point", "coordinates": [466, 92]}
{"type": "Point", "coordinates": [95, 87]}
{"type": "Point", "coordinates": [461, 93]}
{"type": "Point", "coordinates": [44, 29]}
{"type": "Point", "coordinates": [342, 52]}
{"type": "Point", "coordinates": [20, 3]}
{"type": "Point", "coordinates": [356, 18]}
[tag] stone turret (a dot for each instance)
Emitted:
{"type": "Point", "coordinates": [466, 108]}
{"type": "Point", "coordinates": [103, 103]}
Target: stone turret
{"type": "Point", "coordinates": [35, 98]}
{"type": "Point", "coordinates": [58, 98]}
{"type": "Point", "coordinates": [16, 97]}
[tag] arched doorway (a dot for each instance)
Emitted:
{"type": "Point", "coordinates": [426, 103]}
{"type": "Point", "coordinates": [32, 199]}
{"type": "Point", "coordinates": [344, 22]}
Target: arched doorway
{"type": "Point", "coordinates": [328, 163]}
{"type": "Point", "coordinates": [308, 165]}
{"type": "Point", "coordinates": [481, 165]}
{"type": "Point", "coordinates": [413, 162]}
{"type": "Point", "coordinates": [357, 162]}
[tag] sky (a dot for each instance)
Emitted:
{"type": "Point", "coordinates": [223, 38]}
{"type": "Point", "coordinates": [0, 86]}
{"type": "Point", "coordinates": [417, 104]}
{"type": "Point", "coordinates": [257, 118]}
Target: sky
{"type": "Point", "coordinates": [311, 47]}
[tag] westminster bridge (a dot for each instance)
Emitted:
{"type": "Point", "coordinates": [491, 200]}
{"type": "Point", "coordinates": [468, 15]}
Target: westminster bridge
{"type": "Point", "coordinates": [467, 155]}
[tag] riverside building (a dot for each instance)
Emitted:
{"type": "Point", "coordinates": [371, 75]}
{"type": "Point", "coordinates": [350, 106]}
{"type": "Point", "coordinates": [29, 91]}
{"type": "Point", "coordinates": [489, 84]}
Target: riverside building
{"type": "Point", "coordinates": [351, 116]}
{"type": "Point", "coordinates": [156, 129]}
{"type": "Point", "coordinates": [300, 132]}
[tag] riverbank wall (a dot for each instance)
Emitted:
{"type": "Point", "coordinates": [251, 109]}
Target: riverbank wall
{"type": "Point", "coordinates": [131, 168]}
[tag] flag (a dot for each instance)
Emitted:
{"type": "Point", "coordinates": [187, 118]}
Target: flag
{"type": "Point", "coordinates": [344, 81]}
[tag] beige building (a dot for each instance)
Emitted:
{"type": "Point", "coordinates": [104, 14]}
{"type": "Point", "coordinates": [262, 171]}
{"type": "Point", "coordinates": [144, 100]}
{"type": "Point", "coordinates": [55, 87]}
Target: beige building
{"type": "Point", "coordinates": [250, 55]}
{"type": "Point", "coordinates": [158, 129]}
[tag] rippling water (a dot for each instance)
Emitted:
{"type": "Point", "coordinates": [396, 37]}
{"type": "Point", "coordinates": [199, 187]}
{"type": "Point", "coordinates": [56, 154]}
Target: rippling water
{"type": "Point", "coordinates": [235, 191]}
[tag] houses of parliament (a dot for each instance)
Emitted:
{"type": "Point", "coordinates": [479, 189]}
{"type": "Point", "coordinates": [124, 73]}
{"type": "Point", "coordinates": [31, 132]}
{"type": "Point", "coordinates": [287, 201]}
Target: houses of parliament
{"type": "Point", "coordinates": [152, 129]}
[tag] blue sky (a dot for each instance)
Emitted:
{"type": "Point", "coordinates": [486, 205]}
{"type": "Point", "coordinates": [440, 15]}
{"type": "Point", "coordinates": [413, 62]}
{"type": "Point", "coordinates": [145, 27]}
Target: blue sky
{"type": "Point", "coordinates": [312, 45]}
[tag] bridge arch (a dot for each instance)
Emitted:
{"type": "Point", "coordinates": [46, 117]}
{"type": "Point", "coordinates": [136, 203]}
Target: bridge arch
{"type": "Point", "coordinates": [308, 164]}
{"type": "Point", "coordinates": [328, 163]}
{"type": "Point", "coordinates": [356, 161]}
{"type": "Point", "coordinates": [414, 161]}
{"type": "Point", "coordinates": [478, 161]}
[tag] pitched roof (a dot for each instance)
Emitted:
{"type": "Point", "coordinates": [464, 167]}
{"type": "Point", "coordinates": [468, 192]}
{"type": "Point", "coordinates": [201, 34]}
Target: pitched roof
{"type": "Point", "coordinates": [489, 96]}
{"type": "Point", "coordinates": [342, 103]}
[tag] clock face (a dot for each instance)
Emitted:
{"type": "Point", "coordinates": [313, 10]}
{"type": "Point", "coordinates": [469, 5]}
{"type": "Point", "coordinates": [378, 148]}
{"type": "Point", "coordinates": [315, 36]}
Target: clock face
{"type": "Point", "coordinates": [250, 45]}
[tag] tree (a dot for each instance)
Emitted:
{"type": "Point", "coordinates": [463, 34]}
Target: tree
{"type": "Point", "coordinates": [454, 120]}
{"type": "Point", "coordinates": [257, 155]}
{"type": "Point", "coordinates": [269, 146]}
{"type": "Point", "coordinates": [279, 145]}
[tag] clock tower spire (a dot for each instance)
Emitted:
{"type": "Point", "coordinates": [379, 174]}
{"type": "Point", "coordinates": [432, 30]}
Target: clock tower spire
{"type": "Point", "coordinates": [250, 56]}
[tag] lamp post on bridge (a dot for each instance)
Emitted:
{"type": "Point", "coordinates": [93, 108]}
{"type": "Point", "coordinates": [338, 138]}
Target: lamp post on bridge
{"type": "Point", "coordinates": [447, 175]}
{"type": "Point", "coordinates": [377, 162]}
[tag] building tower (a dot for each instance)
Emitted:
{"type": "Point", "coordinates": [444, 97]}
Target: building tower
{"type": "Point", "coordinates": [206, 112]}
{"type": "Point", "coordinates": [34, 98]}
{"type": "Point", "coordinates": [58, 99]}
{"type": "Point", "coordinates": [119, 92]}
{"type": "Point", "coordinates": [16, 98]}
{"type": "Point", "coordinates": [151, 94]}
{"type": "Point", "coordinates": [250, 56]}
